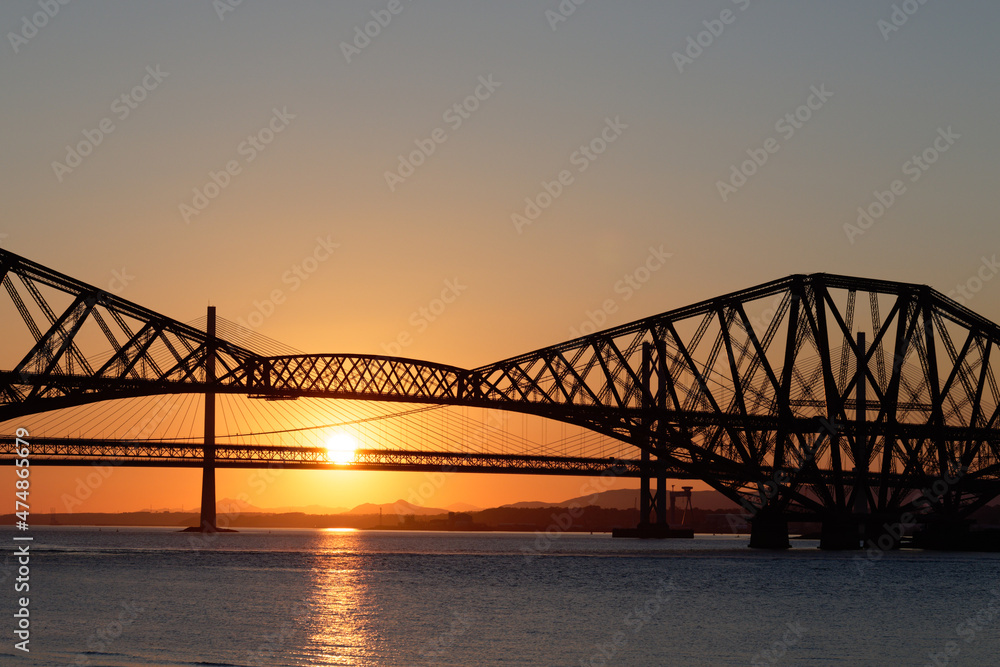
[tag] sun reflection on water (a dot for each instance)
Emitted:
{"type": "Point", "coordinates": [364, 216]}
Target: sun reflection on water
{"type": "Point", "coordinates": [342, 628]}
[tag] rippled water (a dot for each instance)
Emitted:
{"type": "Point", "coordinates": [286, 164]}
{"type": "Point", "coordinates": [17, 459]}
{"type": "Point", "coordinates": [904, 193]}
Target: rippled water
{"type": "Point", "coordinates": [157, 597]}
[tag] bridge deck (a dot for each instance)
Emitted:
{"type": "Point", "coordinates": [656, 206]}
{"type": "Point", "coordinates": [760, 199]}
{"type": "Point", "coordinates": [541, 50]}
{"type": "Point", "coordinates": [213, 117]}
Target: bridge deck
{"type": "Point", "coordinates": [69, 451]}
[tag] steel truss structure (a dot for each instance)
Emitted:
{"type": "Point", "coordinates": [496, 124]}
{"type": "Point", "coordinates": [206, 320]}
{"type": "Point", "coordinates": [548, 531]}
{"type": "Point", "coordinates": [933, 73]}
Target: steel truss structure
{"type": "Point", "coordinates": [811, 397]}
{"type": "Point", "coordinates": [163, 454]}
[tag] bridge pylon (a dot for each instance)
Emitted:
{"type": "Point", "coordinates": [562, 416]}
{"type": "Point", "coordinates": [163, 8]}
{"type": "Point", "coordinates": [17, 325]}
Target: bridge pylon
{"type": "Point", "coordinates": [208, 522]}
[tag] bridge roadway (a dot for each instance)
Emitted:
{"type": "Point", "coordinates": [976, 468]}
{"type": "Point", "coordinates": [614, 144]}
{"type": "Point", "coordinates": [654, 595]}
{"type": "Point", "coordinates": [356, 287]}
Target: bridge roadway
{"type": "Point", "coordinates": [167, 454]}
{"type": "Point", "coordinates": [163, 454]}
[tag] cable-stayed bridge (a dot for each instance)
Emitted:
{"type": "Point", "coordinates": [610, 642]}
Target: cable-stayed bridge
{"type": "Point", "coordinates": [859, 403]}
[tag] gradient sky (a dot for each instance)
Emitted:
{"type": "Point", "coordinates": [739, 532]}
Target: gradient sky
{"type": "Point", "coordinates": [346, 114]}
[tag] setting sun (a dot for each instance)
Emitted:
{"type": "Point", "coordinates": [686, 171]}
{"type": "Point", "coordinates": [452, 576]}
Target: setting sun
{"type": "Point", "coordinates": [340, 448]}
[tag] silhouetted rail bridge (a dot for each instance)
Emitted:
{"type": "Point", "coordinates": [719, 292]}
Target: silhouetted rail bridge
{"type": "Point", "coordinates": [856, 403]}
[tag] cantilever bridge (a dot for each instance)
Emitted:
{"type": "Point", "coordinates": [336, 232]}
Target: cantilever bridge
{"type": "Point", "coordinates": [858, 403]}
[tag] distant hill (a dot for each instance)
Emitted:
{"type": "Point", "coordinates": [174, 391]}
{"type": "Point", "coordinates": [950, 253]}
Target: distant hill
{"type": "Point", "coordinates": [400, 507]}
{"type": "Point", "coordinates": [230, 505]}
{"type": "Point", "coordinates": [620, 499]}
{"type": "Point", "coordinates": [233, 505]}
{"type": "Point", "coordinates": [307, 509]}
{"type": "Point", "coordinates": [462, 507]}
{"type": "Point", "coordinates": [626, 499]}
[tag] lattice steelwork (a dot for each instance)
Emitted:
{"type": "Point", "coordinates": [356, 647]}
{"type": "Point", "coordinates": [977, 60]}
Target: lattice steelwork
{"type": "Point", "coordinates": [151, 454]}
{"type": "Point", "coordinates": [811, 395]}
{"type": "Point", "coordinates": [149, 353]}
{"type": "Point", "coordinates": [777, 401]}
{"type": "Point", "coordinates": [349, 376]}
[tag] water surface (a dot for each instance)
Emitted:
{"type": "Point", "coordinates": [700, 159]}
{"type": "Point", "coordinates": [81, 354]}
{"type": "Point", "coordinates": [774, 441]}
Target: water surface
{"type": "Point", "coordinates": [152, 596]}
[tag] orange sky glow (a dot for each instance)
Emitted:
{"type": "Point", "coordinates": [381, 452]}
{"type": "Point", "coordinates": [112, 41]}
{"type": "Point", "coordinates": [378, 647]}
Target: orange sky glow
{"type": "Point", "coordinates": [473, 184]}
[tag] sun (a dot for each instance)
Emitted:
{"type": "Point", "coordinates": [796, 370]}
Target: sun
{"type": "Point", "coordinates": [340, 448]}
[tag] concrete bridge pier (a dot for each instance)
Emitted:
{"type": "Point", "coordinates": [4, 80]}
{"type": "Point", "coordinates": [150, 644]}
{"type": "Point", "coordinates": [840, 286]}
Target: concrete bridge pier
{"type": "Point", "coordinates": [948, 533]}
{"type": "Point", "coordinates": [883, 532]}
{"type": "Point", "coordinates": [769, 530]}
{"type": "Point", "coordinates": [840, 532]}
{"type": "Point", "coordinates": [208, 521]}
